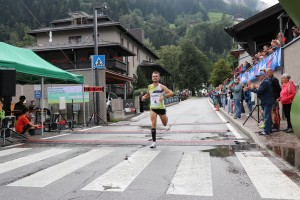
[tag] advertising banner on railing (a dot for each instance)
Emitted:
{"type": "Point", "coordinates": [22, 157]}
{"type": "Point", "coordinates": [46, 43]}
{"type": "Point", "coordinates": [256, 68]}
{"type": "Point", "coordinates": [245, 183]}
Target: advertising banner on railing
{"type": "Point", "coordinates": [273, 61]}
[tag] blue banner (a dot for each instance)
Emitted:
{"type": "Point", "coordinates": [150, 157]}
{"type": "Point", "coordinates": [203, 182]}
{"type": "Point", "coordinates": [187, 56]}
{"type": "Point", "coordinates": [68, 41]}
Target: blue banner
{"type": "Point", "coordinates": [273, 61]}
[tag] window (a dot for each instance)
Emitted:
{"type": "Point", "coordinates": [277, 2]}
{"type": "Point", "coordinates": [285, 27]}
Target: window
{"type": "Point", "coordinates": [75, 39]}
{"type": "Point", "coordinates": [138, 54]}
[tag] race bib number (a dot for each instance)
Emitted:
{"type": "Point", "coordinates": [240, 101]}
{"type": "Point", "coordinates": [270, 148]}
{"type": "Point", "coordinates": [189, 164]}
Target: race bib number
{"type": "Point", "coordinates": [155, 101]}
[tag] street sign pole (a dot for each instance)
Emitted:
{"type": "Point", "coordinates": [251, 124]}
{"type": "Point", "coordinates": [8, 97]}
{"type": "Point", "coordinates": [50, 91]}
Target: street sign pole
{"type": "Point", "coordinates": [96, 53]}
{"type": "Point", "coordinates": [99, 73]}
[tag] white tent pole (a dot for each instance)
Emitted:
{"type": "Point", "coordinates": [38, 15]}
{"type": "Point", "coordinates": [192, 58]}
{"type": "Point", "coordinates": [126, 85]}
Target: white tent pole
{"type": "Point", "coordinates": [42, 104]}
{"type": "Point", "coordinates": [84, 125]}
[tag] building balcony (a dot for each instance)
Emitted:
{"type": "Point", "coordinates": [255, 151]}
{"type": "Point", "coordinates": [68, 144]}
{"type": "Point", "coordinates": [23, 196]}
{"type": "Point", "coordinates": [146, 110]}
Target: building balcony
{"type": "Point", "coordinates": [111, 64]}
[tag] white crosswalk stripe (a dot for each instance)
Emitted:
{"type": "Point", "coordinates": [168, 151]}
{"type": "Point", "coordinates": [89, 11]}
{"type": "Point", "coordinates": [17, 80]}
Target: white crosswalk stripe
{"type": "Point", "coordinates": [193, 175]}
{"type": "Point", "coordinates": [12, 151]}
{"type": "Point", "coordinates": [118, 178]}
{"type": "Point", "coordinates": [20, 162]}
{"type": "Point", "coordinates": [49, 175]}
{"type": "Point", "coordinates": [269, 181]}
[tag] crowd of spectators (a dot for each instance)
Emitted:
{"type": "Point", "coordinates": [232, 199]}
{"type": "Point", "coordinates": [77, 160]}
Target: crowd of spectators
{"type": "Point", "coordinates": [266, 50]}
{"type": "Point", "coordinates": [232, 95]}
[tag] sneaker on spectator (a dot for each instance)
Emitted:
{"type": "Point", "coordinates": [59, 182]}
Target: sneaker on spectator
{"type": "Point", "coordinates": [262, 125]}
{"type": "Point", "coordinates": [289, 130]}
{"type": "Point", "coordinates": [234, 117]}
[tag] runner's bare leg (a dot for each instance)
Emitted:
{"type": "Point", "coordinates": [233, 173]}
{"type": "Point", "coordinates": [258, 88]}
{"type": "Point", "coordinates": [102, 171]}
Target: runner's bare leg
{"type": "Point", "coordinates": [164, 119]}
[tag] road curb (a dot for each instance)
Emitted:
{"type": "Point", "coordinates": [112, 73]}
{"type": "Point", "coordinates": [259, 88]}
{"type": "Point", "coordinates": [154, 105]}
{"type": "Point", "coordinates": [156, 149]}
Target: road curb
{"type": "Point", "coordinates": [246, 130]}
{"type": "Point", "coordinates": [261, 145]}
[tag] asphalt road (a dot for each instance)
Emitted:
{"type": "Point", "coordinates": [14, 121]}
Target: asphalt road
{"type": "Point", "coordinates": [199, 156]}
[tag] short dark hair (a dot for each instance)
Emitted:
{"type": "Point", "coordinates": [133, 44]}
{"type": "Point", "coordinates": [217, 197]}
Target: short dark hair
{"type": "Point", "coordinates": [24, 110]}
{"type": "Point", "coordinates": [156, 72]}
{"type": "Point", "coordinates": [22, 97]}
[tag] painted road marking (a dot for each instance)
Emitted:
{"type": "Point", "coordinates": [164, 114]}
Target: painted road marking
{"type": "Point", "coordinates": [51, 174]}
{"type": "Point", "coordinates": [229, 126]}
{"type": "Point", "coordinates": [56, 136]}
{"type": "Point", "coordinates": [10, 146]}
{"type": "Point", "coordinates": [269, 181]}
{"type": "Point", "coordinates": [119, 177]}
{"type": "Point", "coordinates": [12, 151]}
{"type": "Point", "coordinates": [20, 162]}
{"type": "Point", "coordinates": [90, 128]}
{"type": "Point", "coordinates": [193, 175]}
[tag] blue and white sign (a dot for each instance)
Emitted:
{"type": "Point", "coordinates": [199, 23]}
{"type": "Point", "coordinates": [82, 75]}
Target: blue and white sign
{"type": "Point", "coordinates": [98, 62]}
{"type": "Point", "coordinates": [37, 94]}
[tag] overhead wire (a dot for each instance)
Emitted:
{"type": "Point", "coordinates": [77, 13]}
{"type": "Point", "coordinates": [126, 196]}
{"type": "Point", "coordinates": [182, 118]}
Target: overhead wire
{"type": "Point", "coordinates": [46, 33]}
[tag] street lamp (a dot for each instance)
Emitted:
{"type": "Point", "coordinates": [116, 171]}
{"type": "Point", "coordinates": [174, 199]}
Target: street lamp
{"type": "Point", "coordinates": [100, 8]}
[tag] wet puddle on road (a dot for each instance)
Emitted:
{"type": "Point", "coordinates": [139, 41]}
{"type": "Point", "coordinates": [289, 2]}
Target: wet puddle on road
{"type": "Point", "coordinates": [289, 154]}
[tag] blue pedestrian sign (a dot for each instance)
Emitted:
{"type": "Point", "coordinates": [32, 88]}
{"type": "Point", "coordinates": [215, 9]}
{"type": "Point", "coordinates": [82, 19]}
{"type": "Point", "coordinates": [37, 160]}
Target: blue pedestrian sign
{"type": "Point", "coordinates": [98, 62]}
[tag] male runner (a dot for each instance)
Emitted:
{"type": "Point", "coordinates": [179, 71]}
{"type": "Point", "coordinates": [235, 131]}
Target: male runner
{"type": "Point", "coordinates": [157, 92]}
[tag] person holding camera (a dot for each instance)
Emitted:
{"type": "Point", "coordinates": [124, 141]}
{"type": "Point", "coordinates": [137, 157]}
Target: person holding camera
{"type": "Point", "coordinates": [265, 93]}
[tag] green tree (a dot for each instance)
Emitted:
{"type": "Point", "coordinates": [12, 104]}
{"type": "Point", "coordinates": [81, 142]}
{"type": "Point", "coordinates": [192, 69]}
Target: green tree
{"type": "Point", "coordinates": [140, 79]}
{"type": "Point", "coordinates": [221, 71]}
{"type": "Point", "coordinates": [169, 55]}
{"type": "Point", "coordinates": [193, 67]}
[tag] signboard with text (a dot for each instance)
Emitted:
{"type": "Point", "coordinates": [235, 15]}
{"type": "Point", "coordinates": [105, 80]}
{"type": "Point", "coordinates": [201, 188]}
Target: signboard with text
{"type": "Point", "coordinates": [68, 92]}
{"type": "Point", "coordinates": [93, 89]}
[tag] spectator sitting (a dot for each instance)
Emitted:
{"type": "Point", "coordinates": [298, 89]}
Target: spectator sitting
{"type": "Point", "coordinates": [275, 45]}
{"type": "Point", "coordinates": [23, 124]}
{"type": "Point", "coordinates": [266, 50]}
{"type": "Point", "coordinates": [281, 38]}
{"type": "Point", "coordinates": [295, 31]}
{"type": "Point", "coordinates": [247, 65]}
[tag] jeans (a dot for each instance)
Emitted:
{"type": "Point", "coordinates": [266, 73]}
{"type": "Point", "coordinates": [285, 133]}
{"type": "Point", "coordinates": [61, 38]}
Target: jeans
{"type": "Point", "coordinates": [268, 118]}
{"type": "Point", "coordinates": [223, 101]}
{"type": "Point", "coordinates": [249, 104]}
{"type": "Point", "coordinates": [228, 106]}
{"type": "Point", "coordinates": [237, 106]}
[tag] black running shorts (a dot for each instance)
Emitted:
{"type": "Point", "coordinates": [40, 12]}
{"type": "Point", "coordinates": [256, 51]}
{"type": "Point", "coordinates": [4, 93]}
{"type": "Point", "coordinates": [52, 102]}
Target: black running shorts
{"type": "Point", "coordinates": [159, 111]}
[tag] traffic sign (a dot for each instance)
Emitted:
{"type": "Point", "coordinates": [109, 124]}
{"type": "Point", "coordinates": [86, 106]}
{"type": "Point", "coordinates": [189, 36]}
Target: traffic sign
{"type": "Point", "coordinates": [98, 62]}
{"type": "Point", "coordinates": [93, 89]}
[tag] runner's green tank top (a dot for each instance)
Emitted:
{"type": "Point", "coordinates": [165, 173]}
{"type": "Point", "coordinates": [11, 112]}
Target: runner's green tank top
{"type": "Point", "coordinates": [155, 94]}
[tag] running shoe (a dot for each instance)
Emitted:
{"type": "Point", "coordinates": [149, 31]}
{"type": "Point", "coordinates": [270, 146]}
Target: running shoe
{"type": "Point", "coordinates": [153, 145]}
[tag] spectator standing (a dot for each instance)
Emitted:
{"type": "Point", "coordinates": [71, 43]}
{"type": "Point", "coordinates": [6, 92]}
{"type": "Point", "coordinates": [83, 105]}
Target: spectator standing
{"type": "Point", "coordinates": [215, 98]}
{"type": "Point", "coordinates": [19, 106]}
{"type": "Point", "coordinates": [295, 31]}
{"type": "Point", "coordinates": [247, 95]}
{"type": "Point", "coordinates": [223, 97]}
{"type": "Point", "coordinates": [287, 95]}
{"type": "Point", "coordinates": [236, 90]}
{"type": "Point", "coordinates": [264, 91]}
{"type": "Point", "coordinates": [276, 94]}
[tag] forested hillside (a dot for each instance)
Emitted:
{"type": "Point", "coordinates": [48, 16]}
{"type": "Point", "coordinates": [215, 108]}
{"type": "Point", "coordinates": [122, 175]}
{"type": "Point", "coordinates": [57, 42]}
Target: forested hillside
{"type": "Point", "coordinates": [166, 22]}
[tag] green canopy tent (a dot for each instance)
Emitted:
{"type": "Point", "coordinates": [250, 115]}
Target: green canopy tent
{"type": "Point", "coordinates": [32, 69]}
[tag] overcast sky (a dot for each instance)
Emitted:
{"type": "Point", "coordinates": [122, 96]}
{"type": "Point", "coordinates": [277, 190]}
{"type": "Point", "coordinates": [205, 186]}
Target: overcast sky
{"type": "Point", "coordinates": [271, 2]}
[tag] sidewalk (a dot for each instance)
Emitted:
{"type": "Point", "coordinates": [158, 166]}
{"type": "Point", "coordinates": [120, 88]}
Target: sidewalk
{"type": "Point", "coordinates": [284, 145]}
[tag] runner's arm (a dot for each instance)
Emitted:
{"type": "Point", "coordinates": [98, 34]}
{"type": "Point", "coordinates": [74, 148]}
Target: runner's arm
{"type": "Point", "coordinates": [146, 96]}
{"type": "Point", "coordinates": [167, 92]}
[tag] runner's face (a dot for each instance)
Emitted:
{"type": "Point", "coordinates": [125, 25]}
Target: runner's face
{"type": "Point", "coordinates": [155, 78]}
